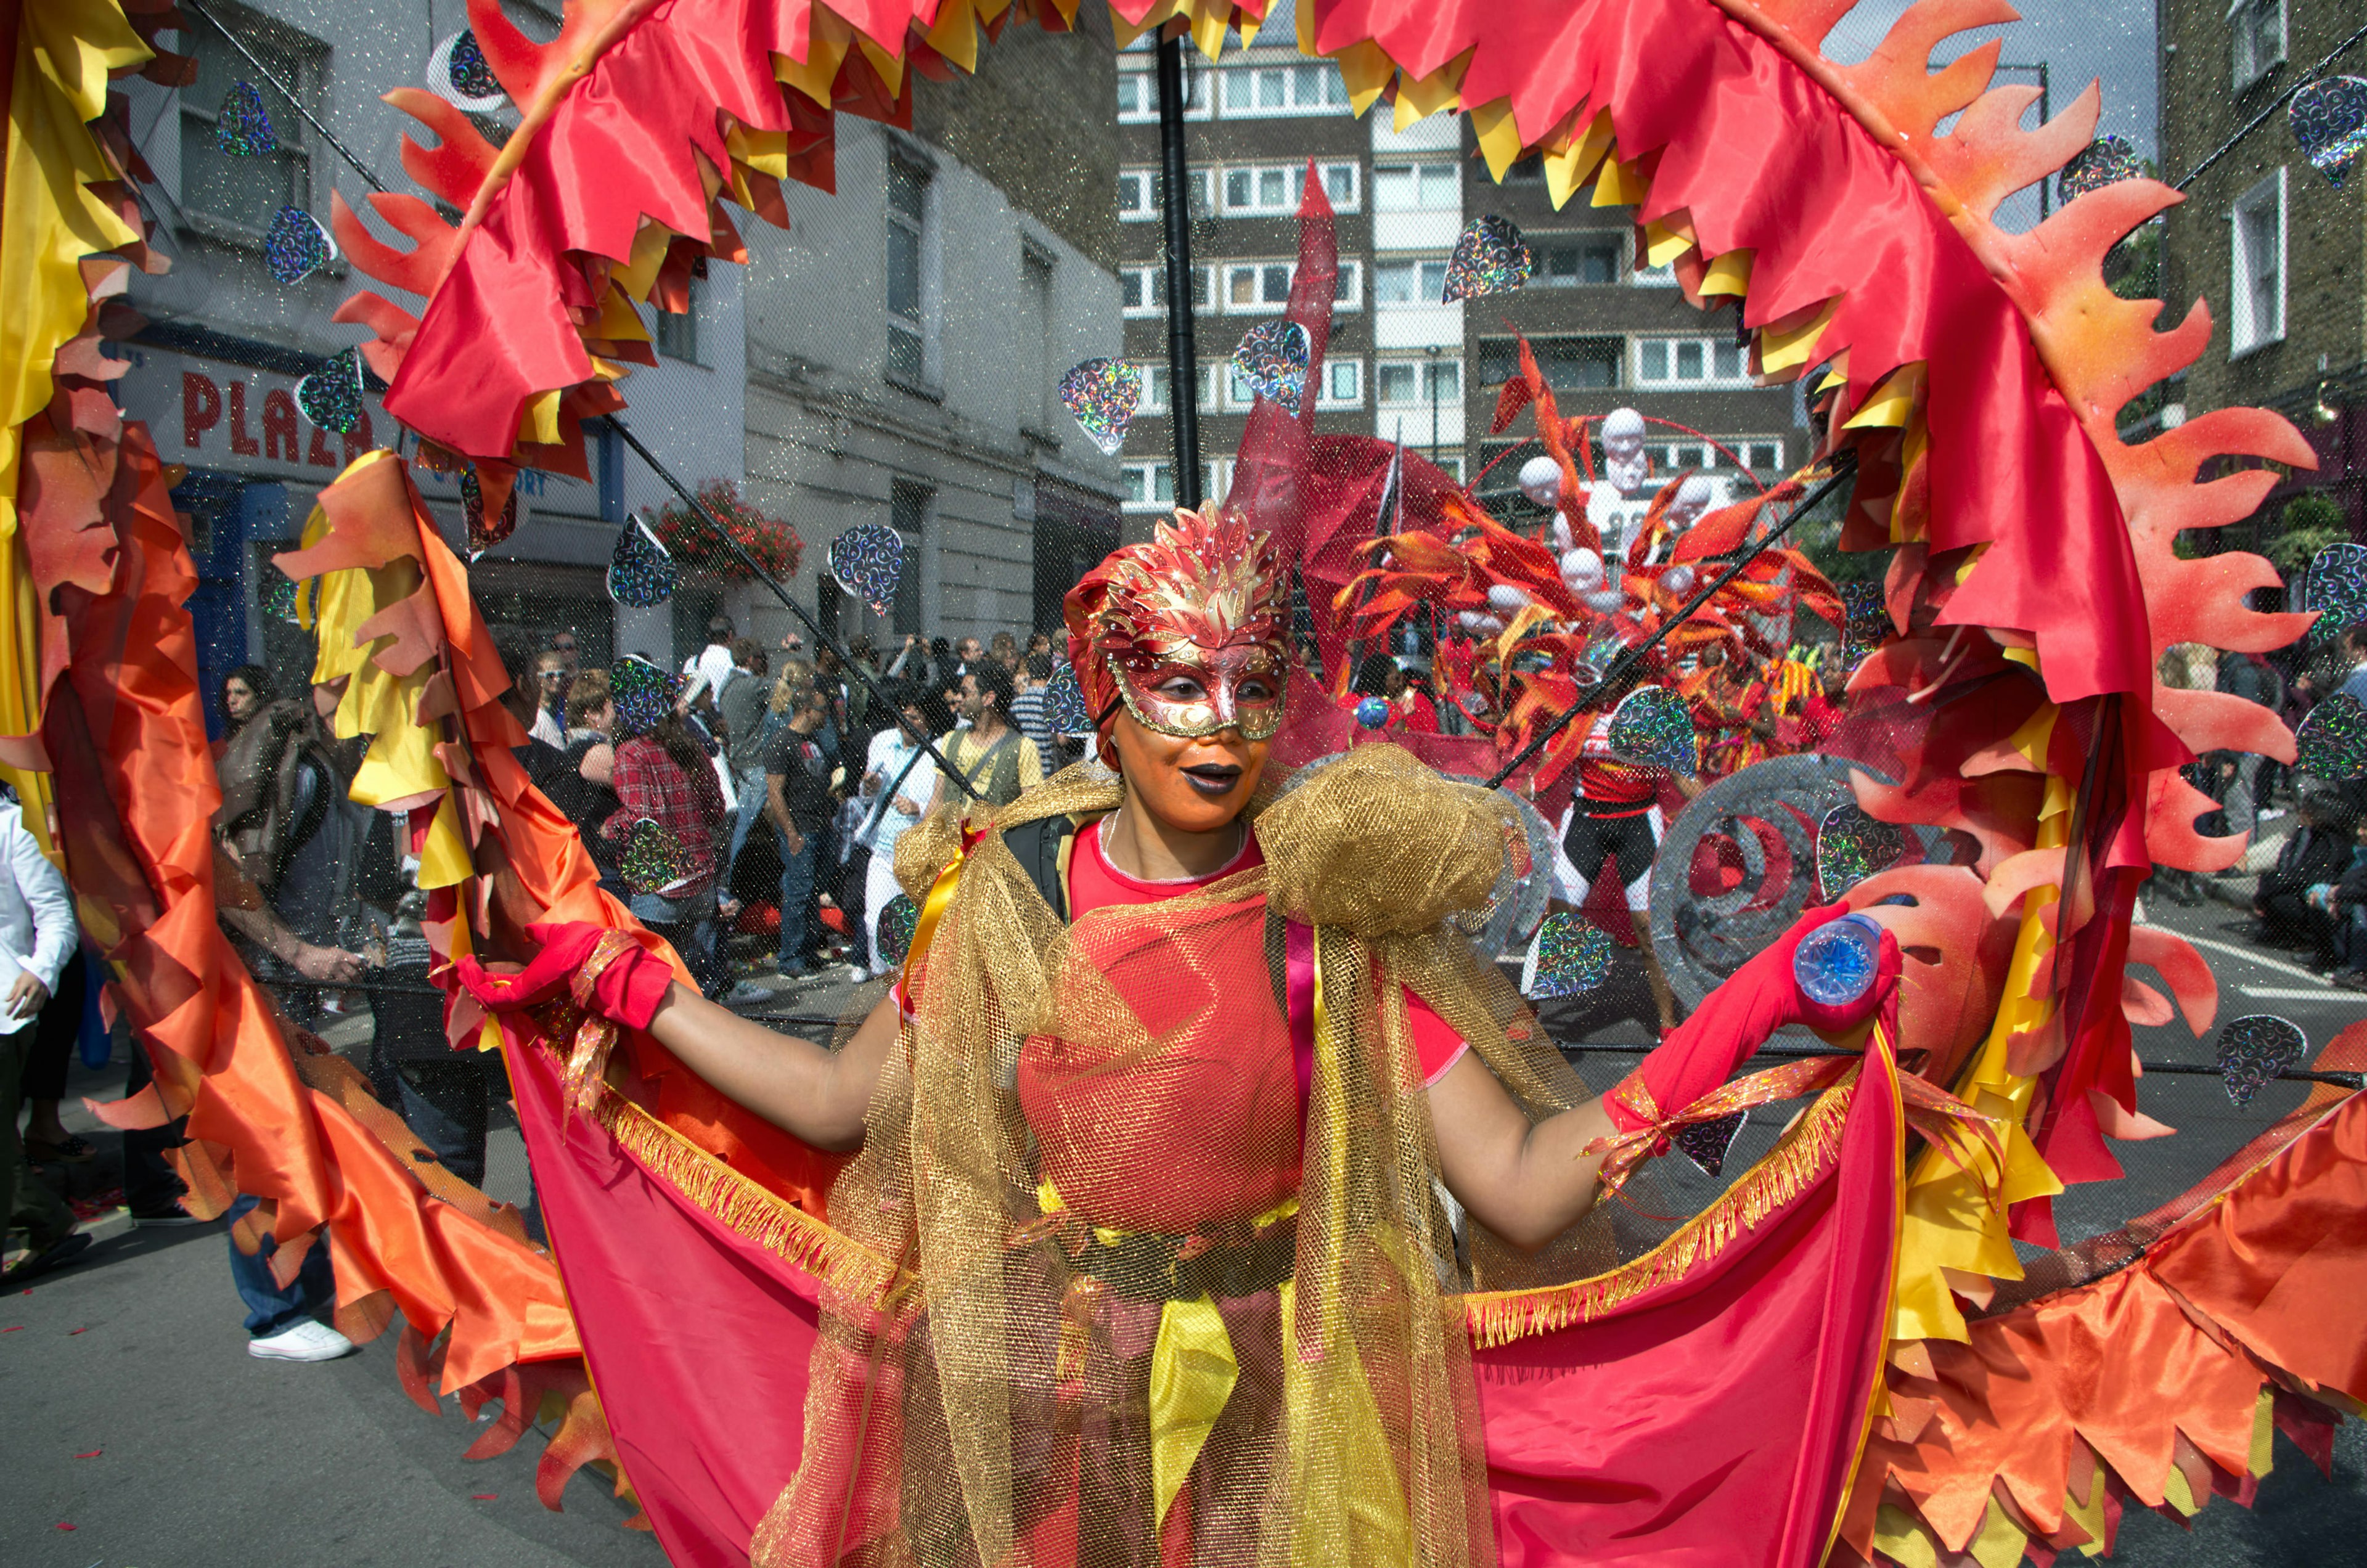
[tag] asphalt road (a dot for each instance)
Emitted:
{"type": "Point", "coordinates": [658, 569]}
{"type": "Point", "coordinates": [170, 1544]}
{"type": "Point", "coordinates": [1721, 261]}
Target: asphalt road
{"type": "Point", "coordinates": [202, 1457]}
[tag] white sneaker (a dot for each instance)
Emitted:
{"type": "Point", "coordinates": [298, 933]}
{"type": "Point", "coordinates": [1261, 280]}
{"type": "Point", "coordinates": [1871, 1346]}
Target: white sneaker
{"type": "Point", "coordinates": [307, 1340]}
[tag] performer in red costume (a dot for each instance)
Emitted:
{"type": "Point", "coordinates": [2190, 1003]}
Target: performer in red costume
{"type": "Point", "coordinates": [1178, 1293]}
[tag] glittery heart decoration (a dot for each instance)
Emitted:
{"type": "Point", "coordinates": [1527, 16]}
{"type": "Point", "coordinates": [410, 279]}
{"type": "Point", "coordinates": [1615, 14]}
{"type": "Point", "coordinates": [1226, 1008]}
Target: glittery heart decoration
{"type": "Point", "coordinates": [641, 572]}
{"type": "Point", "coordinates": [2107, 160]}
{"type": "Point", "coordinates": [644, 693]}
{"type": "Point", "coordinates": [1569, 955]}
{"type": "Point", "coordinates": [456, 72]}
{"type": "Point", "coordinates": [331, 397]}
{"type": "Point", "coordinates": [1866, 622]}
{"type": "Point", "coordinates": [277, 592]}
{"type": "Point", "coordinates": [242, 129]}
{"type": "Point", "coordinates": [653, 858]}
{"type": "Point", "coordinates": [2329, 124]}
{"type": "Point", "coordinates": [1652, 727]}
{"type": "Point", "coordinates": [297, 245]}
{"type": "Point", "coordinates": [866, 559]}
{"type": "Point", "coordinates": [1491, 258]}
{"type": "Point", "coordinates": [485, 535]}
{"type": "Point", "coordinates": [1064, 703]}
{"type": "Point", "coordinates": [2336, 587]}
{"type": "Point", "coordinates": [1707, 1144]}
{"type": "Point", "coordinates": [1852, 845]}
{"type": "Point", "coordinates": [1101, 394]}
{"type": "Point", "coordinates": [896, 920]}
{"type": "Point", "coordinates": [2254, 1049]}
{"type": "Point", "coordinates": [2331, 744]}
{"type": "Point", "coordinates": [1273, 359]}
{"type": "Point", "coordinates": [1373, 712]}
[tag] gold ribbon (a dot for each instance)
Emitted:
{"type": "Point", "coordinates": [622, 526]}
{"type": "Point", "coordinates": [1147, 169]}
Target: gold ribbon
{"type": "Point", "coordinates": [932, 907]}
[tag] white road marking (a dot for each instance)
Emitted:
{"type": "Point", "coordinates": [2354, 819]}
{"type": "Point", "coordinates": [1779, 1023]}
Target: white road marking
{"type": "Point", "coordinates": [2284, 994]}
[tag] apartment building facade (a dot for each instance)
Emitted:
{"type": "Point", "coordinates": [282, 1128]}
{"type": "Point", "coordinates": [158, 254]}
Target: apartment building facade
{"type": "Point", "coordinates": [2276, 251]}
{"type": "Point", "coordinates": [1403, 365]}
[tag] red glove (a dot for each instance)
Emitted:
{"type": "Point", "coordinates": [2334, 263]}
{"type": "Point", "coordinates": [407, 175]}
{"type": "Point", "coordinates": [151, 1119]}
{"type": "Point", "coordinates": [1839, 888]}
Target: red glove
{"type": "Point", "coordinates": [602, 970]}
{"type": "Point", "coordinates": [1735, 1019]}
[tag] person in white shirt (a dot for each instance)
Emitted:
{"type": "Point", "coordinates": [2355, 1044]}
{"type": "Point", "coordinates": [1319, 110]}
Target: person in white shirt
{"type": "Point", "coordinates": [898, 781]}
{"type": "Point", "coordinates": [38, 936]}
{"type": "Point", "coordinates": [712, 665]}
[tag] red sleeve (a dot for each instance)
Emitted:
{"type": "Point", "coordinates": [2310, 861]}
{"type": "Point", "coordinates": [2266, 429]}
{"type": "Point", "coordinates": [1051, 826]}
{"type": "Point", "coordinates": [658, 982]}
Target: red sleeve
{"type": "Point", "coordinates": [1436, 1047]}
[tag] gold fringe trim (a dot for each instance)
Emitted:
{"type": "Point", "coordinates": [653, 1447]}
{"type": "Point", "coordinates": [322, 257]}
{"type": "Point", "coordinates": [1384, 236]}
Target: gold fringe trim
{"type": "Point", "coordinates": [1806, 1154]}
{"type": "Point", "coordinates": [772, 1222]}
{"type": "Point", "coordinates": [740, 1206]}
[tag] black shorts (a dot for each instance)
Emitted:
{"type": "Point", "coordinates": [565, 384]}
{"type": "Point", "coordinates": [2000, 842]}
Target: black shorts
{"type": "Point", "coordinates": [1591, 841]}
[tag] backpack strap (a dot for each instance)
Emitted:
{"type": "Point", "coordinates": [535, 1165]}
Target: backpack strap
{"type": "Point", "coordinates": [1038, 846]}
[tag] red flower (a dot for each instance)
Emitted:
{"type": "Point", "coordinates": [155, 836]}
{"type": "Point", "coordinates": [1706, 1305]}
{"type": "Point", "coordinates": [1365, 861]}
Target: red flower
{"type": "Point", "coordinates": [771, 543]}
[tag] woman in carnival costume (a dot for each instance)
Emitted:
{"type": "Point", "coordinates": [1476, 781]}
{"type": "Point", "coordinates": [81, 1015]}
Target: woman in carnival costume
{"type": "Point", "coordinates": [1166, 1127]}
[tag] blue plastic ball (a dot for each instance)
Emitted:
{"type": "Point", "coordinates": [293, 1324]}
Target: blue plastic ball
{"type": "Point", "coordinates": [1373, 712]}
{"type": "Point", "coordinates": [1835, 963]}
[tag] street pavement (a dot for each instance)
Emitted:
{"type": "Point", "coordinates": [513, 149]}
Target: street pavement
{"type": "Point", "coordinates": [133, 1414]}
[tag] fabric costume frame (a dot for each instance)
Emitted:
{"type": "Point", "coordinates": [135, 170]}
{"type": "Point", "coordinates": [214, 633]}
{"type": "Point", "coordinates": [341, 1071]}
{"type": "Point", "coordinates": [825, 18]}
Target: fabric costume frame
{"type": "Point", "coordinates": [1976, 374]}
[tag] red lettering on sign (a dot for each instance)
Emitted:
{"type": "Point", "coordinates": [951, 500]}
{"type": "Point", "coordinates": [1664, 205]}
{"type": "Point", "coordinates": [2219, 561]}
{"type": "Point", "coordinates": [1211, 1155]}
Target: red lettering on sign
{"type": "Point", "coordinates": [318, 453]}
{"type": "Point", "coordinates": [279, 426]}
{"type": "Point", "coordinates": [358, 439]}
{"type": "Point", "coordinates": [200, 408]}
{"type": "Point", "coordinates": [239, 441]}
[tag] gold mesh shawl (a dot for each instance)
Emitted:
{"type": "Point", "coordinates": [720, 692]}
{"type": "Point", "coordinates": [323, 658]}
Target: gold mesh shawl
{"type": "Point", "coordinates": [1250, 1383]}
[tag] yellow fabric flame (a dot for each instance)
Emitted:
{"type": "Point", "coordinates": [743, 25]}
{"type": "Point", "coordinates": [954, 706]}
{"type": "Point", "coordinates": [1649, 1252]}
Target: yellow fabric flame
{"type": "Point", "coordinates": [49, 222]}
{"type": "Point", "coordinates": [400, 770]}
{"type": "Point", "coordinates": [1956, 1212]}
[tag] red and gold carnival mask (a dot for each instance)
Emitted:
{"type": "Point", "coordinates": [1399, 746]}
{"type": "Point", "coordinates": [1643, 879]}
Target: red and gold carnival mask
{"type": "Point", "coordinates": [1187, 631]}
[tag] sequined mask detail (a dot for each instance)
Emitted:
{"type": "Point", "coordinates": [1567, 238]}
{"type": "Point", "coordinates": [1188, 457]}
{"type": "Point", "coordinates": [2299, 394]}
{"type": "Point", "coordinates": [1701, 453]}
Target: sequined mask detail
{"type": "Point", "coordinates": [1187, 630]}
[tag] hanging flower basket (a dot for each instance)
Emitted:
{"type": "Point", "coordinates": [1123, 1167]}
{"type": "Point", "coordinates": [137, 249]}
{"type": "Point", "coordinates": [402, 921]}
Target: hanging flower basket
{"type": "Point", "coordinates": [772, 544]}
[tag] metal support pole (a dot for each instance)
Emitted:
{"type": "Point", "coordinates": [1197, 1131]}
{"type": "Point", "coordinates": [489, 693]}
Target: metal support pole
{"type": "Point", "coordinates": [1175, 209]}
{"type": "Point", "coordinates": [2045, 106]}
{"type": "Point", "coordinates": [1432, 370]}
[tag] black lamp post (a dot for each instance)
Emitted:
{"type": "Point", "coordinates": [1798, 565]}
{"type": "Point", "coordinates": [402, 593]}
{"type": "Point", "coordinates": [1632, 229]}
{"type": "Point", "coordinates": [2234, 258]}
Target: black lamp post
{"type": "Point", "coordinates": [1175, 210]}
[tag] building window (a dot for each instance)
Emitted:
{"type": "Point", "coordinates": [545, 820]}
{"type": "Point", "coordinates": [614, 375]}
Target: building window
{"type": "Point", "coordinates": [1344, 385]}
{"type": "Point", "coordinates": [1137, 95]}
{"type": "Point", "coordinates": [1257, 286]}
{"type": "Point", "coordinates": [677, 332]}
{"type": "Point", "coordinates": [2257, 34]}
{"type": "Point", "coordinates": [1526, 170]}
{"type": "Point", "coordinates": [1764, 456]}
{"type": "Point", "coordinates": [1158, 387]}
{"type": "Point", "coordinates": [1570, 261]}
{"type": "Point", "coordinates": [908, 210]}
{"type": "Point", "coordinates": [1142, 290]}
{"type": "Point", "coordinates": [1566, 363]}
{"type": "Point", "coordinates": [1036, 372]}
{"type": "Point", "coordinates": [1408, 282]}
{"type": "Point", "coordinates": [1219, 479]}
{"type": "Point", "coordinates": [1257, 92]}
{"type": "Point", "coordinates": [1150, 487]}
{"type": "Point", "coordinates": [1417, 188]}
{"type": "Point", "coordinates": [1413, 383]}
{"type": "Point", "coordinates": [2256, 254]}
{"type": "Point", "coordinates": [248, 192]}
{"type": "Point", "coordinates": [1690, 362]}
{"type": "Point", "coordinates": [1276, 188]}
{"type": "Point", "coordinates": [908, 513]}
{"type": "Point", "coordinates": [1137, 194]}
{"type": "Point", "coordinates": [1348, 288]}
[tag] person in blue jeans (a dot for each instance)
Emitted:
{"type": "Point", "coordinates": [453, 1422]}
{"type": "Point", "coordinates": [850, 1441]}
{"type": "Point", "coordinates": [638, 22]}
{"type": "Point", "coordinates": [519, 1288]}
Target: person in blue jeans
{"type": "Point", "coordinates": [797, 797]}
